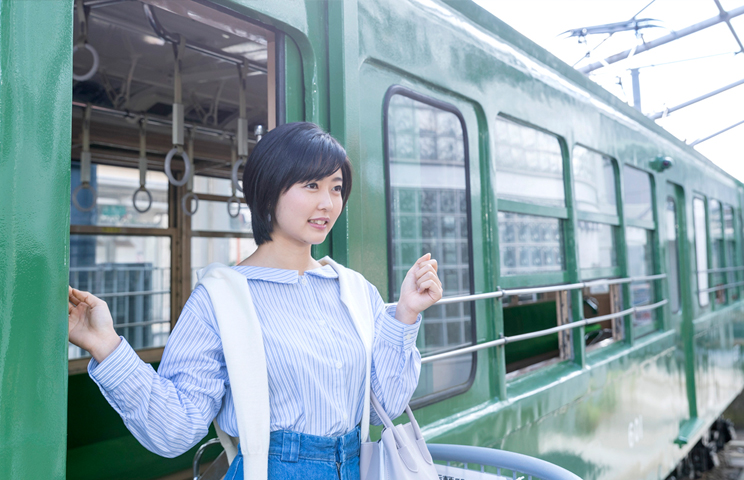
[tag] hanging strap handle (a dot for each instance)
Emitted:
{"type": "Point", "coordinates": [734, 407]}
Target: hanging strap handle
{"type": "Point", "coordinates": [142, 167]}
{"type": "Point", "coordinates": [82, 42]}
{"type": "Point", "coordinates": [190, 195]}
{"type": "Point", "coordinates": [178, 122]}
{"type": "Point", "coordinates": [85, 167]}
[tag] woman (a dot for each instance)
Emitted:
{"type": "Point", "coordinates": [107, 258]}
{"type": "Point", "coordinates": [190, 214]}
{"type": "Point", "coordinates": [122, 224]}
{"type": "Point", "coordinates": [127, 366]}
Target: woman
{"type": "Point", "coordinates": [296, 183]}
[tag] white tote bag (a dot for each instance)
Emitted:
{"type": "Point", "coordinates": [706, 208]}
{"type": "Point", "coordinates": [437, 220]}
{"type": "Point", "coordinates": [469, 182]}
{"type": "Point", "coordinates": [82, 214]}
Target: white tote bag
{"type": "Point", "coordinates": [400, 454]}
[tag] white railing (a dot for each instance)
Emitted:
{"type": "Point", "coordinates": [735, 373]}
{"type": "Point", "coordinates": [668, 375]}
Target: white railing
{"type": "Point", "coordinates": [549, 331]}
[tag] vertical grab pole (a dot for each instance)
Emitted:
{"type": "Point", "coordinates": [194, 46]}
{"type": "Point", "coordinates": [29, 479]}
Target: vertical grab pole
{"type": "Point", "coordinates": [234, 197]}
{"type": "Point", "coordinates": [242, 134]}
{"type": "Point", "coordinates": [142, 167]}
{"type": "Point", "coordinates": [85, 167]}
{"type": "Point", "coordinates": [178, 123]}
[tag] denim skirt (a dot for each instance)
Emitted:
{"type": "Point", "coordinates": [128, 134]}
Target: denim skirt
{"type": "Point", "coordinates": [297, 456]}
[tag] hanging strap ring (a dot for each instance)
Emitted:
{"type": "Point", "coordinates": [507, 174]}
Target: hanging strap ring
{"type": "Point", "coordinates": [76, 192]}
{"type": "Point", "coordinates": [185, 201]}
{"type": "Point", "coordinates": [169, 173]}
{"type": "Point", "coordinates": [149, 199]}
{"type": "Point", "coordinates": [233, 201]}
{"type": "Point", "coordinates": [235, 168]}
{"type": "Point", "coordinates": [93, 69]}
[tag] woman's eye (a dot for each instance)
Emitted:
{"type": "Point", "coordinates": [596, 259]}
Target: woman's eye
{"type": "Point", "coordinates": [312, 185]}
{"type": "Point", "coordinates": [338, 188]}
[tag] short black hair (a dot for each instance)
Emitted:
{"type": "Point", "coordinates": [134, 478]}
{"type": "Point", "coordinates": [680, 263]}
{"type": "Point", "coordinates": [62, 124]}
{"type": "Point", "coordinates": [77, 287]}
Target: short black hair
{"type": "Point", "coordinates": [289, 154]}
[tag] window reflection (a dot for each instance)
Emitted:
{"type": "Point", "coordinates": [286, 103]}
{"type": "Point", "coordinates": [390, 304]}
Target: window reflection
{"type": "Point", "coordinates": [597, 241]}
{"type": "Point", "coordinates": [639, 243]}
{"type": "Point", "coordinates": [701, 250]}
{"type": "Point", "coordinates": [132, 275]}
{"type": "Point", "coordinates": [528, 165]}
{"type": "Point", "coordinates": [672, 254]}
{"type": "Point", "coordinates": [430, 214]}
{"type": "Point", "coordinates": [594, 181]}
{"type": "Point", "coordinates": [638, 203]}
{"type": "Point", "coordinates": [115, 187]}
{"type": "Point", "coordinates": [728, 234]}
{"type": "Point", "coordinates": [717, 250]}
{"type": "Point", "coordinates": [530, 244]}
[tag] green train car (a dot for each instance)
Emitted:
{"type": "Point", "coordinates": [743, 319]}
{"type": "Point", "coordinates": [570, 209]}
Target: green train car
{"type": "Point", "coordinates": [592, 262]}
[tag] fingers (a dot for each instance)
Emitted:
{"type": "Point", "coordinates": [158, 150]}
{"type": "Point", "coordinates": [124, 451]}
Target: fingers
{"type": "Point", "coordinates": [77, 297]}
{"type": "Point", "coordinates": [434, 287]}
{"type": "Point", "coordinates": [429, 276]}
{"type": "Point", "coordinates": [423, 258]}
{"type": "Point", "coordinates": [425, 268]}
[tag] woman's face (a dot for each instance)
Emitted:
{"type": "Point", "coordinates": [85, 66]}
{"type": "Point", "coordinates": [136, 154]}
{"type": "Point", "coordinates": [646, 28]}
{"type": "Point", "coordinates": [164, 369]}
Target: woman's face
{"type": "Point", "coordinates": [307, 211]}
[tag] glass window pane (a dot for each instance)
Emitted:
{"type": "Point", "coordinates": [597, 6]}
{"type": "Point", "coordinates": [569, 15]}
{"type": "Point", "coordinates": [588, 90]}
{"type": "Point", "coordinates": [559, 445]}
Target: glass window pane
{"type": "Point", "coordinates": [214, 186]}
{"type": "Point", "coordinates": [672, 254]}
{"type": "Point", "coordinates": [525, 314]}
{"type": "Point", "coordinates": [530, 244]}
{"type": "Point", "coordinates": [227, 251]}
{"type": "Point", "coordinates": [701, 250]}
{"type": "Point", "coordinates": [115, 187]}
{"type": "Point", "coordinates": [716, 250]}
{"type": "Point", "coordinates": [596, 245]}
{"type": "Point", "coordinates": [639, 243]}
{"type": "Point", "coordinates": [728, 222]}
{"type": "Point", "coordinates": [132, 275]}
{"type": "Point", "coordinates": [637, 188]}
{"type": "Point", "coordinates": [214, 217]}
{"type": "Point", "coordinates": [728, 234]}
{"type": "Point", "coordinates": [528, 165]}
{"type": "Point", "coordinates": [594, 182]}
{"type": "Point", "coordinates": [430, 214]}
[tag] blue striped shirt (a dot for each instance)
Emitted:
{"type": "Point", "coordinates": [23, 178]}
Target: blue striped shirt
{"type": "Point", "coordinates": [314, 356]}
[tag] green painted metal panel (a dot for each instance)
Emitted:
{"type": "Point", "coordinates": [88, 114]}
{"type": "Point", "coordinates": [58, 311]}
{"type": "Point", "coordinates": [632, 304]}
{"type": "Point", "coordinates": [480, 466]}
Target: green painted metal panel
{"type": "Point", "coordinates": [35, 119]}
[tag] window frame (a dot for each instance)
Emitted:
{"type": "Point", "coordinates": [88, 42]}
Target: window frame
{"type": "Point", "coordinates": [650, 226]}
{"type": "Point", "coordinates": [523, 208]}
{"type": "Point", "coordinates": [393, 90]}
{"type": "Point", "coordinates": [613, 220]}
{"type": "Point", "coordinates": [703, 198]}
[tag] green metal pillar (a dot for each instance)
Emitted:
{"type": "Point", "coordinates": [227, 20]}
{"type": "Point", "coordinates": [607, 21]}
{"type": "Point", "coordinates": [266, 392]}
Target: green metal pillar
{"type": "Point", "coordinates": [35, 122]}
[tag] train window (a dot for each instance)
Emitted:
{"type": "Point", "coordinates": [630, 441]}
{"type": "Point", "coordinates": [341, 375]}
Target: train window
{"type": "Point", "coordinates": [701, 250]}
{"type": "Point", "coordinates": [429, 212]}
{"type": "Point", "coordinates": [597, 241]}
{"type": "Point", "coordinates": [114, 208]}
{"type": "Point", "coordinates": [530, 244]}
{"type": "Point", "coordinates": [730, 245]}
{"type": "Point", "coordinates": [132, 275]}
{"type": "Point", "coordinates": [594, 182]}
{"type": "Point", "coordinates": [528, 165]}
{"type": "Point", "coordinates": [639, 244]}
{"type": "Point", "coordinates": [672, 254]}
{"type": "Point", "coordinates": [717, 277]}
{"type": "Point", "coordinates": [638, 203]}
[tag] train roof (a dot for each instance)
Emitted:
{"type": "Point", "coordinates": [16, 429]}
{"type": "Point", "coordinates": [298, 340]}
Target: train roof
{"type": "Point", "coordinates": [493, 25]}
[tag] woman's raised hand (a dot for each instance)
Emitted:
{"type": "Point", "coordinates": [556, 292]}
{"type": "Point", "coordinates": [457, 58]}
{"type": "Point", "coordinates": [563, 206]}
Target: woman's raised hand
{"type": "Point", "coordinates": [90, 324]}
{"type": "Point", "coordinates": [420, 290]}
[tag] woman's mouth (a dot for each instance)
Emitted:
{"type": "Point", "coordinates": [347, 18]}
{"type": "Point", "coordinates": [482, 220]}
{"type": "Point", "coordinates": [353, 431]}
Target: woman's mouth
{"type": "Point", "coordinates": [318, 223]}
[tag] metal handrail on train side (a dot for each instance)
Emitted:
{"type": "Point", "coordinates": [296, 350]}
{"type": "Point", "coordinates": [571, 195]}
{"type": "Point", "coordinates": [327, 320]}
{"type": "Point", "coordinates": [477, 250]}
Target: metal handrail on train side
{"type": "Point", "coordinates": [519, 465]}
{"type": "Point", "coordinates": [549, 331]}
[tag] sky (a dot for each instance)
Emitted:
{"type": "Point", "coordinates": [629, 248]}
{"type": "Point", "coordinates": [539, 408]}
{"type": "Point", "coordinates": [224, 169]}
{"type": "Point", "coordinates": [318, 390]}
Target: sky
{"type": "Point", "coordinates": [669, 74]}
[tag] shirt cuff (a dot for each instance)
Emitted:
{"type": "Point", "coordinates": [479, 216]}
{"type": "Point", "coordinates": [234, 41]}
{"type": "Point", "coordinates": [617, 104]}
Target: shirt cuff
{"type": "Point", "coordinates": [398, 333]}
{"type": "Point", "coordinates": [115, 368]}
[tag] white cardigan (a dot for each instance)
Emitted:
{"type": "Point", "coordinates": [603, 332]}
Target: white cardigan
{"type": "Point", "coordinates": [242, 344]}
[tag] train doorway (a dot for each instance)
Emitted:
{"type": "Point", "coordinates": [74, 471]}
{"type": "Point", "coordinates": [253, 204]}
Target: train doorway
{"type": "Point", "coordinates": [169, 98]}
